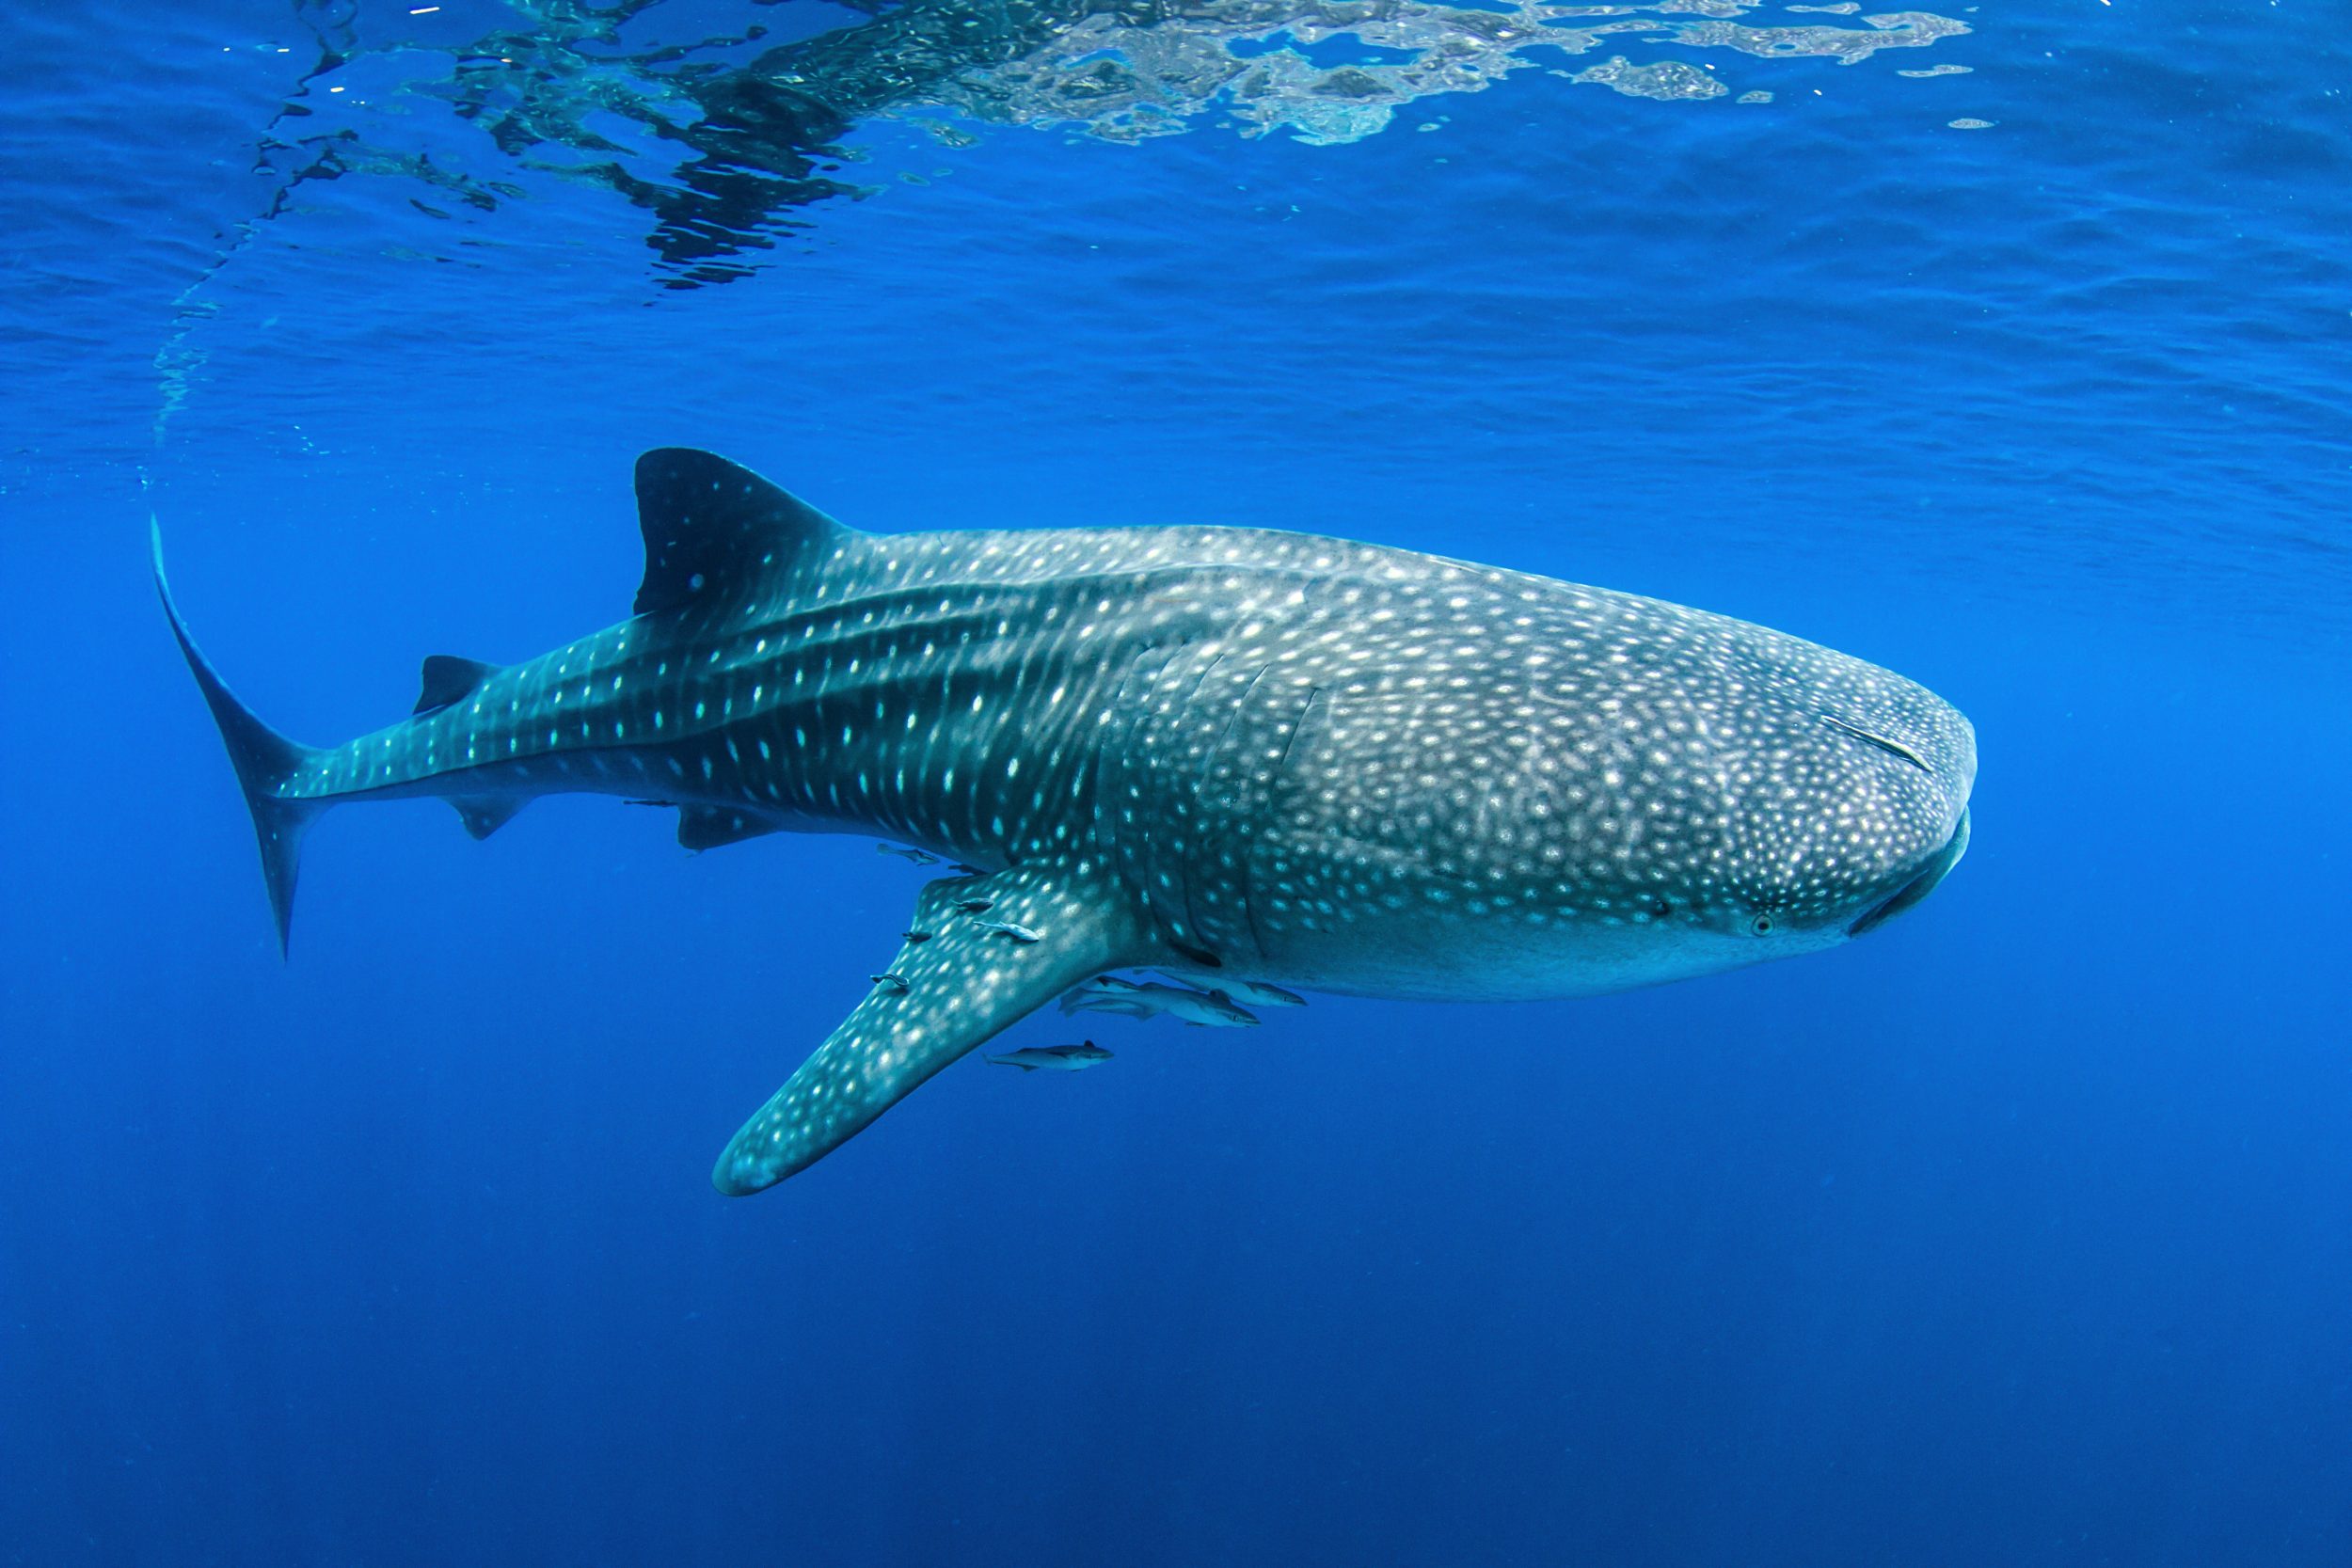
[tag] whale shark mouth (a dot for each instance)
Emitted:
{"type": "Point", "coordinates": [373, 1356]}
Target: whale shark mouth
{"type": "Point", "coordinates": [1920, 886]}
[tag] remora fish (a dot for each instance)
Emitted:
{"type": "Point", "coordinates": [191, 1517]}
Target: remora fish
{"type": "Point", "coordinates": [1055, 1058]}
{"type": "Point", "coordinates": [1269, 755]}
{"type": "Point", "coordinates": [1250, 994]}
{"type": "Point", "coordinates": [1108, 993]}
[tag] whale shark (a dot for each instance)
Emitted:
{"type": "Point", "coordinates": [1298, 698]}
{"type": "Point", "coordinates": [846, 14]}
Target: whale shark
{"type": "Point", "coordinates": [1277, 757]}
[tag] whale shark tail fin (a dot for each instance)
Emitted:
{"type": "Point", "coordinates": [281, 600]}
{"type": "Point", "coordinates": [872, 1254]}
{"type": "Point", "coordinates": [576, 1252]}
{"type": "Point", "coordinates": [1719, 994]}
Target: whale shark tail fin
{"type": "Point", "coordinates": [265, 761]}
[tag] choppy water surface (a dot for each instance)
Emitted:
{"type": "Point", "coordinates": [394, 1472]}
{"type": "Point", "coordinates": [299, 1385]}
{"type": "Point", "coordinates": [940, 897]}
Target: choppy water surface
{"type": "Point", "coordinates": [728, 135]}
{"type": "Point", "coordinates": [1718, 263]}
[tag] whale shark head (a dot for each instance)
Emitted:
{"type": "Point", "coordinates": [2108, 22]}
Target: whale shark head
{"type": "Point", "coordinates": [1626, 792]}
{"type": "Point", "coordinates": [1846, 787]}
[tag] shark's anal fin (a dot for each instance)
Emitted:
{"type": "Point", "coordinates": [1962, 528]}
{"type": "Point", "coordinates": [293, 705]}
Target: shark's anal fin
{"type": "Point", "coordinates": [448, 680]}
{"type": "Point", "coordinates": [485, 815]}
{"type": "Point", "coordinates": [964, 986]}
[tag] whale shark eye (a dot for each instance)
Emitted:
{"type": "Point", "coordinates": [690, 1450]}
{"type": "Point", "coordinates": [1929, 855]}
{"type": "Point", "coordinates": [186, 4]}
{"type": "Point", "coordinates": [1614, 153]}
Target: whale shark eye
{"type": "Point", "coordinates": [1761, 925]}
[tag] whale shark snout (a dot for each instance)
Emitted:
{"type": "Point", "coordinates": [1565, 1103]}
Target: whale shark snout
{"type": "Point", "coordinates": [1846, 788]}
{"type": "Point", "coordinates": [1928, 759]}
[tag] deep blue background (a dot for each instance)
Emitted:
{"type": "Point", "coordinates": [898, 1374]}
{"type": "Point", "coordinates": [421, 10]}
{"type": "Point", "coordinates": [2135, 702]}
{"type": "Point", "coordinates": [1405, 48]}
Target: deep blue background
{"type": "Point", "coordinates": [2016, 1234]}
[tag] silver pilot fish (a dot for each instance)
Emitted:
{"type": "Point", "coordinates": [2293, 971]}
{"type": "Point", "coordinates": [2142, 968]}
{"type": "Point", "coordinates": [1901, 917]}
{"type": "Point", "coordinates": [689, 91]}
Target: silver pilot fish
{"type": "Point", "coordinates": [1108, 993]}
{"type": "Point", "coordinates": [1055, 1058]}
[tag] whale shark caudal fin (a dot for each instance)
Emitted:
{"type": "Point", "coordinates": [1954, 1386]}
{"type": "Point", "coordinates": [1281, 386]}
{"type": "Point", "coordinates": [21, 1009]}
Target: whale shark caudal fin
{"type": "Point", "coordinates": [963, 986]}
{"type": "Point", "coordinates": [715, 529]}
{"type": "Point", "coordinates": [263, 759]}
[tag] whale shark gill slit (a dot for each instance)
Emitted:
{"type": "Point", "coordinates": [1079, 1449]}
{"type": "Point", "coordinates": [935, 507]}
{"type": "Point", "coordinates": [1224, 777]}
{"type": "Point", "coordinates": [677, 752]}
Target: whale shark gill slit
{"type": "Point", "coordinates": [1229, 789]}
{"type": "Point", "coordinates": [1123, 763]}
{"type": "Point", "coordinates": [1280, 786]}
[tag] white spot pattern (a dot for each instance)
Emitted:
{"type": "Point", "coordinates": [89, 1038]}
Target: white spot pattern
{"type": "Point", "coordinates": [1294, 758]}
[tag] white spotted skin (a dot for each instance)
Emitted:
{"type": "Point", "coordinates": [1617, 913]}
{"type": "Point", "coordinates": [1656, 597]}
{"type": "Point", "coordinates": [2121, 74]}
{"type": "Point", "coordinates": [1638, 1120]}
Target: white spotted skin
{"type": "Point", "coordinates": [1262, 756]}
{"type": "Point", "coordinates": [1319, 763]}
{"type": "Point", "coordinates": [1463, 784]}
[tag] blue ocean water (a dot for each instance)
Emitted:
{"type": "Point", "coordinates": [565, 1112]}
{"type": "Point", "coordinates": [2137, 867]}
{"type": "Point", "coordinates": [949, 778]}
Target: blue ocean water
{"type": "Point", "coordinates": [2003, 345]}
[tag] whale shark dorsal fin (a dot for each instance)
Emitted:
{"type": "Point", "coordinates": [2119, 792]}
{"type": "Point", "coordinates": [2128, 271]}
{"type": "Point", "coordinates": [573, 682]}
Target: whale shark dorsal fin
{"type": "Point", "coordinates": [448, 680]}
{"type": "Point", "coordinates": [716, 531]}
{"type": "Point", "coordinates": [963, 987]}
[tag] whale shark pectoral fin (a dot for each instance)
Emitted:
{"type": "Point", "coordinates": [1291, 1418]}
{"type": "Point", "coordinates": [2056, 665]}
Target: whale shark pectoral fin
{"type": "Point", "coordinates": [964, 986]}
{"type": "Point", "coordinates": [714, 529]}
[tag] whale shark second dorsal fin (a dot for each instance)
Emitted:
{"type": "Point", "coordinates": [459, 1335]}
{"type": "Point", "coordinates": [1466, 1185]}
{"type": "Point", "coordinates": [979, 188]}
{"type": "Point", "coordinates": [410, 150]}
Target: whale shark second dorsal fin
{"type": "Point", "coordinates": [449, 680]}
{"type": "Point", "coordinates": [715, 529]}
